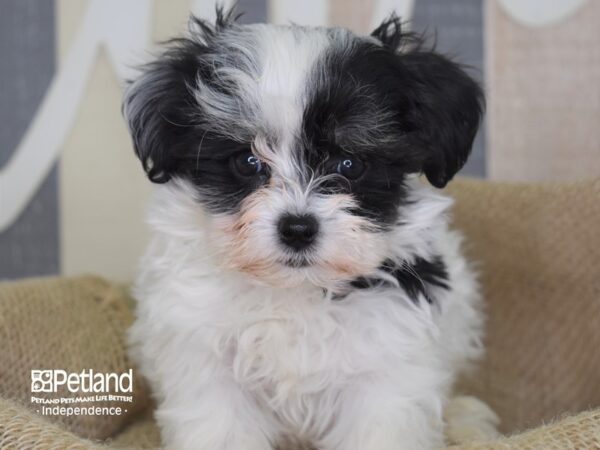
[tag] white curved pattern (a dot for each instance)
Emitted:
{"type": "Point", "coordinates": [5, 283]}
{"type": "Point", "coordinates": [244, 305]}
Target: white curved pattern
{"type": "Point", "coordinates": [539, 13]}
{"type": "Point", "coordinates": [123, 27]}
{"type": "Point", "coordinates": [305, 12]}
{"type": "Point", "coordinates": [206, 8]}
{"type": "Point", "coordinates": [403, 8]}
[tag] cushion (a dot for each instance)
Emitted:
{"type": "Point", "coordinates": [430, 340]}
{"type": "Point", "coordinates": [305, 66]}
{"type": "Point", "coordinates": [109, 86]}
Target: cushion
{"type": "Point", "coordinates": [66, 324]}
{"type": "Point", "coordinates": [538, 248]}
{"type": "Point", "coordinates": [578, 432]}
{"type": "Point", "coordinates": [20, 429]}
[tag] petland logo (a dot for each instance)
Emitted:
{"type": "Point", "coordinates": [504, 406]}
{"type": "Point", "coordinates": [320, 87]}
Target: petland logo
{"type": "Point", "coordinates": [92, 389]}
{"type": "Point", "coordinates": [86, 381]}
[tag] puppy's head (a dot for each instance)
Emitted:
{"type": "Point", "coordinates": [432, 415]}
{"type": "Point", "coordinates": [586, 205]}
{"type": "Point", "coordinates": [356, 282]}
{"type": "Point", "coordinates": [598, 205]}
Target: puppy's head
{"type": "Point", "coordinates": [299, 141]}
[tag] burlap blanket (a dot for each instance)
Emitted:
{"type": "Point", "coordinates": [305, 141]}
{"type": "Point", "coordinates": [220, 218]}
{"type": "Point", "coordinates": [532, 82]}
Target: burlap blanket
{"type": "Point", "coordinates": [539, 249]}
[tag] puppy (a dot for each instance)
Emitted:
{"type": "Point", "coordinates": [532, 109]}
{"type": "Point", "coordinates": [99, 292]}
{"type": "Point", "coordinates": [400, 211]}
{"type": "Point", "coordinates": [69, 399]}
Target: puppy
{"type": "Point", "coordinates": [302, 284]}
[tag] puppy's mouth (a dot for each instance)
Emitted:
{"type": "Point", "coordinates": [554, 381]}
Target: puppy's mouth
{"type": "Point", "coordinates": [296, 262]}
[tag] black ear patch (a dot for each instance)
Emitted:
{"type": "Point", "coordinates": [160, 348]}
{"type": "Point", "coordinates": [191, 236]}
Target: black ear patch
{"type": "Point", "coordinates": [390, 33]}
{"type": "Point", "coordinates": [448, 107]}
{"type": "Point", "coordinates": [444, 104]}
{"type": "Point", "coordinates": [159, 107]}
{"type": "Point", "coordinates": [160, 118]}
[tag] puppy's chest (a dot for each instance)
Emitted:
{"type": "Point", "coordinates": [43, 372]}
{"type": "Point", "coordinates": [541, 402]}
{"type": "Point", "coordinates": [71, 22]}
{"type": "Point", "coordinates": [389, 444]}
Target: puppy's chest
{"type": "Point", "coordinates": [285, 349]}
{"type": "Point", "coordinates": [300, 348]}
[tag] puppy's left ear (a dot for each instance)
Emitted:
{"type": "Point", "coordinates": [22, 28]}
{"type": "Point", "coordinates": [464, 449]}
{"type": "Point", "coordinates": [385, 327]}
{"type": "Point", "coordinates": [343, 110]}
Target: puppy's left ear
{"type": "Point", "coordinates": [447, 109]}
{"type": "Point", "coordinates": [443, 105]}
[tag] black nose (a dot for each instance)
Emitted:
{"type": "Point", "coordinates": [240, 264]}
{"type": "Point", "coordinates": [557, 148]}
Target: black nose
{"type": "Point", "coordinates": [298, 232]}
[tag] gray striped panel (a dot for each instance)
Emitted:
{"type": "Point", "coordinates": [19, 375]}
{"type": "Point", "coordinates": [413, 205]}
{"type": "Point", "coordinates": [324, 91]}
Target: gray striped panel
{"type": "Point", "coordinates": [27, 47]}
{"type": "Point", "coordinates": [254, 10]}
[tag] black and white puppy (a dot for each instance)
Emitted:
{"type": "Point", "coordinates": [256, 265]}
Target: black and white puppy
{"type": "Point", "coordinates": [302, 284]}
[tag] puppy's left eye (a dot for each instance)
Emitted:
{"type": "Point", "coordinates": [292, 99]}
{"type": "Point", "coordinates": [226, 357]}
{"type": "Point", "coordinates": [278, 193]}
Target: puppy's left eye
{"type": "Point", "coordinates": [247, 165]}
{"type": "Point", "coordinates": [350, 168]}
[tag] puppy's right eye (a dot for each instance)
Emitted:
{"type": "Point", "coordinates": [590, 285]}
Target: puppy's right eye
{"type": "Point", "coordinates": [351, 168]}
{"type": "Point", "coordinates": [246, 164]}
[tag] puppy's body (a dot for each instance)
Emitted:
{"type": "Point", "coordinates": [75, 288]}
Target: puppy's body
{"type": "Point", "coordinates": [301, 283]}
{"type": "Point", "coordinates": [237, 365]}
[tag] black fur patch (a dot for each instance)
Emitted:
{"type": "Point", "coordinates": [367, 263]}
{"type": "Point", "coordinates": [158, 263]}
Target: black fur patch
{"type": "Point", "coordinates": [170, 138]}
{"type": "Point", "coordinates": [351, 113]}
{"type": "Point", "coordinates": [416, 278]}
{"type": "Point", "coordinates": [398, 107]}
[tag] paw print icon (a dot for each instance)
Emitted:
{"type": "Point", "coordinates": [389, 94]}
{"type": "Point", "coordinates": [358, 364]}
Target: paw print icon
{"type": "Point", "coordinates": [41, 381]}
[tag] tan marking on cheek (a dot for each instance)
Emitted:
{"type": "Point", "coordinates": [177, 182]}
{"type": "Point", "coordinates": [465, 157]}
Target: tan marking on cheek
{"type": "Point", "coordinates": [238, 230]}
{"type": "Point", "coordinates": [350, 267]}
{"type": "Point", "coordinates": [249, 212]}
{"type": "Point", "coordinates": [344, 267]}
{"type": "Point", "coordinates": [263, 270]}
{"type": "Point", "coordinates": [357, 254]}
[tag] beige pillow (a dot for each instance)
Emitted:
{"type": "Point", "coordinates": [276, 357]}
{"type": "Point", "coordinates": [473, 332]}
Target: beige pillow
{"type": "Point", "coordinates": [70, 324]}
{"type": "Point", "coordinates": [538, 246]}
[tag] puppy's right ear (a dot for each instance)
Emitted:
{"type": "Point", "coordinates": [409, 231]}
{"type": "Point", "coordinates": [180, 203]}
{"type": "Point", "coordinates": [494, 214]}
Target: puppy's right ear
{"type": "Point", "coordinates": [446, 104]}
{"type": "Point", "coordinates": [159, 106]}
{"type": "Point", "coordinates": [159, 109]}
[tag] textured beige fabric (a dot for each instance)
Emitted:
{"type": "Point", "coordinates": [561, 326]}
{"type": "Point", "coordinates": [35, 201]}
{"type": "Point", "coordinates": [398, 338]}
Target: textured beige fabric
{"type": "Point", "coordinates": [580, 432]}
{"type": "Point", "coordinates": [71, 324]}
{"type": "Point", "coordinates": [543, 95]}
{"type": "Point", "coordinates": [142, 434]}
{"type": "Point", "coordinates": [22, 430]}
{"type": "Point", "coordinates": [539, 250]}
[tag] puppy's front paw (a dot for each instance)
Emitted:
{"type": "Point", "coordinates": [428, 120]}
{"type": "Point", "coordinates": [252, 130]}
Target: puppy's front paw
{"type": "Point", "coordinates": [468, 419]}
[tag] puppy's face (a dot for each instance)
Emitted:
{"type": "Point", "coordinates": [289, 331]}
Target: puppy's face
{"type": "Point", "coordinates": [298, 141]}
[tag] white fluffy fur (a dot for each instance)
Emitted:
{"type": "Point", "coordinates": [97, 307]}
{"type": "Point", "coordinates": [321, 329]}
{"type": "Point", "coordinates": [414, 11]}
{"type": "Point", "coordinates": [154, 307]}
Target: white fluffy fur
{"type": "Point", "coordinates": [267, 65]}
{"type": "Point", "coordinates": [235, 364]}
{"type": "Point", "coordinates": [243, 351]}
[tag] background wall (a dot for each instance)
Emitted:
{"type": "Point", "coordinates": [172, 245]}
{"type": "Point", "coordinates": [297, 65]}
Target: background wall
{"type": "Point", "coordinates": [72, 194]}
